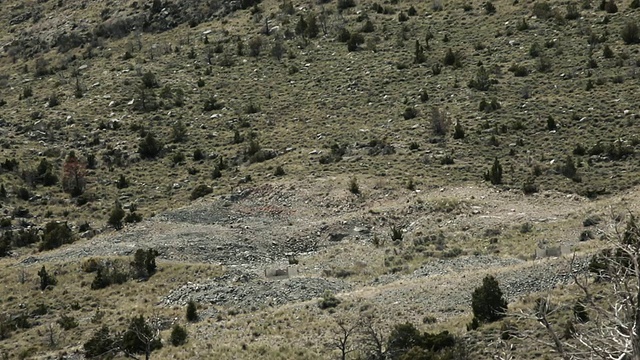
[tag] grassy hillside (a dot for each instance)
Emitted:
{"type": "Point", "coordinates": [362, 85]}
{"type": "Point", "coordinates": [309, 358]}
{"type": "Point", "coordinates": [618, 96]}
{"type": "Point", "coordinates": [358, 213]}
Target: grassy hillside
{"type": "Point", "coordinates": [149, 106]}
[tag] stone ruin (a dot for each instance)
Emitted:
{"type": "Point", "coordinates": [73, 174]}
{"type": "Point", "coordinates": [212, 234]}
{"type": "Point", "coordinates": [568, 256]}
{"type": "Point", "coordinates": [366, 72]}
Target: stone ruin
{"type": "Point", "coordinates": [280, 273]}
{"type": "Point", "coordinates": [552, 251]}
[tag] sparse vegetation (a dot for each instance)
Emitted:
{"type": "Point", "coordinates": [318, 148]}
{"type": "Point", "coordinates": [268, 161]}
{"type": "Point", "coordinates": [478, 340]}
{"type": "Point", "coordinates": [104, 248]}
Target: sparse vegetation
{"type": "Point", "coordinates": [268, 112]}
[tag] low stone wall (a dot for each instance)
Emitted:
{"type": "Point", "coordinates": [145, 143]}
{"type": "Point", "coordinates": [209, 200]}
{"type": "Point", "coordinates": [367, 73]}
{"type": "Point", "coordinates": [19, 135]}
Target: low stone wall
{"type": "Point", "coordinates": [552, 251]}
{"type": "Point", "coordinates": [280, 273]}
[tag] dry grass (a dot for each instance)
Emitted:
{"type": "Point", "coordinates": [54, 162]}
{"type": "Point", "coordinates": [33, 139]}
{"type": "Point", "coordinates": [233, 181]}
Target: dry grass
{"type": "Point", "coordinates": [112, 306]}
{"type": "Point", "coordinates": [333, 97]}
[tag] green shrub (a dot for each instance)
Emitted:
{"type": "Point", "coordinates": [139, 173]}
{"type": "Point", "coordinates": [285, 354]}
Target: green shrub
{"type": "Point", "coordinates": [116, 216]}
{"type": "Point", "coordinates": [211, 103]}
{"type": "Point", "coordinates": [178, 158]}
{"type": "Point", "coordinates": [27, 92]}
{"type": "Point", "coordinates": [481, 81]}
{"type": "Point", "coordinates": [5, 244]}
{"type": "Point", "coordinates": [419, 57]}
{"type": "Point", "coordinates": [494, 175]}
{"type": "Point", "coordinates": [631, 33]}
{"type": "Point", "coordinates": [178, 335]}
{"type": "Point", "coordinates": [139, 338]}
{"type": "Point", "coordinates": [544, 64]}
{"type": "Point", "coordinates": [529, 187]}
{"type": "Point", "coordinates": [328, 301]}
{"type": "Point", "coordinates": [396, 233]}
{"type": "Point", "coordinates": [489, 106]}
{"type": "Point", "coordinates": [200, 191]}
{"type": "Point", "coordinates": [24, 237]}
{"type": "Point", "coordinates": [542, 10]}
{"type": "Point", "coordinates": [355, 41]}
{"type": "Point", "coordinates": [122, 182]}
{"type": "Point", "coordinates": [409, 113]}
{"type": "Point", "coordinates": [569, 168]}
{"type": "Point", "coordinates": [610, 6]}
{"type": "Point", "coordinates": [458, 131]}
{"type": "Point", "coordinates": [345, 4]}
{"type": "Point", "coordinates": [402, 339]}
{"type": "Point", "coordinates": [178, 132]}
{"type": "Point", "coordinates": [55, 234]}
{"type": "Point", "coordinates": [436, 69]}
{"type": "Point", "coordinates": [255, 46]}
{"type": "Point", "coordinates": [132, 217]}
{"type": "Point", "coordinates": [192, 311]}
{"type": "Point", "coordinates": [406, 342]}
{"type": "Point", "coordinates": [489, 8]}
{"type": "Point", "coordinates": [252, 108]}
{"type": "Point", "coordinates": [198, 155]}
{"type": "Point", "coordinates": [23, 193]}
{"type": "Point", "coordinates": [572, 12]}
{"type": "Point", "coordinates": [107, 276]}
{"type": "Point", "coordinates": [551, 123]}
{"type": "Point", "coordinates": [101, 344]}
{"type": "Point", "coordinates": [279, 171]}
{"type": "Point", "coordinates": [519, 70]}
{"type": "Point", "coordinates": [67, 322]}
{"type": "Point", "coordinates": [447, 160]}
{"type": "Point", "coordinates": [144, 263]}
{"type": "Point", "coordinates": [149, 147]}
{"type": "Point", "coordinates": [46, 279]}
{"type": "Point", "coordinates": [149, 80]}
{"type": "Point", "coordinates": [535, 50]}
{"type": "Point", "coordinates": [312, 29]}
{"type": "Point", "coordinates": [522, 25]}
{"type": "Point", "coordinates": [487, 301]}
{"type": "Point", "coordinates": [354, 188]}
{"type": "Point", "coordinates": [344, 35]}
{"type": "Point", "coordinates": [53, 101]}
{"type": "Point", "coordinates": [450, 58]}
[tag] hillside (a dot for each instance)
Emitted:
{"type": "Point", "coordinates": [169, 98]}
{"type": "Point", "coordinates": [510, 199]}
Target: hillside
{"type": "Point", "coordinates": [234, 137]}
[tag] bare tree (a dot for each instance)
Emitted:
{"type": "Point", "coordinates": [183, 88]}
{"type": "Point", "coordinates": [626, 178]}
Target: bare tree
{"type": "Point", "coordinates": [142, 337]}
{"type": "Point", "coordinates": [343, 337]}
{"type": "Point", "coordinates": [373, 339]}
{"type": "Point", "coordinates": [613, 333]}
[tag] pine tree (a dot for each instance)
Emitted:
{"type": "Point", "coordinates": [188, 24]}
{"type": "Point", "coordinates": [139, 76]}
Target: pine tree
{"type": "Point", "coordinates": [495, 174]}
{"type": "Point", "coordinates": [192, 311]}
{"type": "Point", "coordinates": [140, 338]}
{"type": "Point", "coordinates": [178, 335]}
{"type": "Point", "coordinates": [419, 58]}
{"type": "Point", "coordinates": [488, 302]}
{"type": "Point", "coordinates": [46, 279]}
{"type": "Point", "coordinates": [116, 216]}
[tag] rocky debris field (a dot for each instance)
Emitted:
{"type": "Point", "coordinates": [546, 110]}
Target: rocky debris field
{"type": "Point", "coordinates": [258, 228]}
{"type": "Point", "coordinates": [251, 292]}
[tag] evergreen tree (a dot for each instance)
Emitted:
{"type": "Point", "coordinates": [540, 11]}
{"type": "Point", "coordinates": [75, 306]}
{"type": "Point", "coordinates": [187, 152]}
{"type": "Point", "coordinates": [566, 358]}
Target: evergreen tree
{"type": "Point", "coordinates": [149, 147]}
{"type": "Point", "coordinates": [192, 311]}
{"type": "Point", "coordinates": [178, 335]}
{"type": "Point", "coordinates": [116, 216]}
{"type": "Point", "coordinates": [488, 302]}
{"type": "Point", "coordinates": [419, 56]}
{"type": "Point", "coordinates": [101, 344]}
{"type": "Point", "coordinates": [46, 279]}
{"type": "Point", "coordinates": [495, 174]}
{"type": "Point", "coordinates": [140, 338]}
